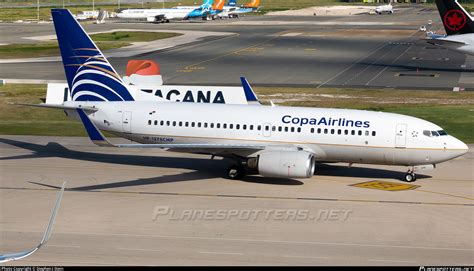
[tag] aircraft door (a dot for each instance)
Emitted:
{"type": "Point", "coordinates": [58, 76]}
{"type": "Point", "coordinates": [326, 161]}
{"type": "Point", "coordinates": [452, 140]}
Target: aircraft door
{"type": "Point", "coordinates": [267, 130]}
{"type": "Point", "coordinates": [127, 122]}
{"type": "Point", "coordinates": [401, 136]}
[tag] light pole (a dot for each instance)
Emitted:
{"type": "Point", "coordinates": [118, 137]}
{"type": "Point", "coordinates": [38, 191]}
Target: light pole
{"type": "Point", "coordinates": [118, 4]}
{"type": "Point", "coordinates": [93, 5]}
{"type": "Point", "coordinates": [38, 10]}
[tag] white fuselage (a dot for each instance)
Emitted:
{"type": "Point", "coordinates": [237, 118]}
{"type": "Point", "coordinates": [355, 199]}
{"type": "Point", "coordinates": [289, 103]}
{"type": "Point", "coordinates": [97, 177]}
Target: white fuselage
{"type": "Point", "coordinates": [168, 13]}
{"type": "Point", "coordinates": [338, 135]}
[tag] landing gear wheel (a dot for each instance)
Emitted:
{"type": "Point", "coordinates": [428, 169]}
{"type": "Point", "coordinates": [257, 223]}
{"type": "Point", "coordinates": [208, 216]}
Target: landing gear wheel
{"type": "Point", "coordinates": [236, 172]}
{"type": "Point", "coordinates": [410, 177]}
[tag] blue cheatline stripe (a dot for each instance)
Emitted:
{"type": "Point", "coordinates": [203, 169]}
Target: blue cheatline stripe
{"type": "Point", "coordinates": [92, 131]}
{"type": "Point", "coordinates": [90, 98]}
{"type": "Point", "coordinates": [249, 94]}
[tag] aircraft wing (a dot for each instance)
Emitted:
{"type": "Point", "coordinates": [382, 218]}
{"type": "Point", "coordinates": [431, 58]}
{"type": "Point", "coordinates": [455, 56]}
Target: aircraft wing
{"type": "Point", "coordinates": [441, 41]}
{"type": "Point", "coordinates": [20, 255]}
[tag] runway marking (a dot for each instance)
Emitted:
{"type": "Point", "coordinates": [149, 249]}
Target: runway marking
{"type": "Point", "coordinates": [368, 66]}
{"type": "Point", "coordinates": [446, 194]}
{"type": "Point", "coordinates": [384, 69]}
{"type": "Point", "coordinates": [65, 246]}
{"type": "Point", "coordinates": [305, 257]}
{"type": "Point", "coordinates": [386, 186]}
{"type": "Point", "coordinates": [394, 261]}
{"type": "Point", "coordinates": [350, 66]}
{"type": "Point", "coordinates": [220, 253]}
{"type": "Point", "coordinates": [261, 240]}
{"type": "Point", "coordinates": [139, 249]}
{"type": "Point", "coordinates": [246, 196]}
{"type": "Point", "coordinates": [231, 53]}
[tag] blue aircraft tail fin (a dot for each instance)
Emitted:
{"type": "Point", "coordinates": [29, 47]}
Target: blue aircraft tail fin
{"type": "Point", "coordinates": [249, 93]}
{"type": "Point", "coordinates": [207, 3]}
{"type": "Point", "coordinates": [89, 75]}
{"type": "Point", "coordinates": [232, 3]}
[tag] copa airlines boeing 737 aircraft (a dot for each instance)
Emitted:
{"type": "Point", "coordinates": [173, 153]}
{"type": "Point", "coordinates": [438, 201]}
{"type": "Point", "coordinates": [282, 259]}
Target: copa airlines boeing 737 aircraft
{"type": "Point", "coordinates": [277, 141]}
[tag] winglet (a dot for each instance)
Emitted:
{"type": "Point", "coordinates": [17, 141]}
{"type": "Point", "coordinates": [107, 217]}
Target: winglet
{"type": "Point", "coordinates": [249, 93]}
{"type": "Point", "coordinates": [94, 133]}
{"type": "Point", "coordinates": [18, 256]}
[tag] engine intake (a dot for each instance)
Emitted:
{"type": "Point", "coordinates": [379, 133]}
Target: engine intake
{"type": "Point", "coordinates": [290, 164]}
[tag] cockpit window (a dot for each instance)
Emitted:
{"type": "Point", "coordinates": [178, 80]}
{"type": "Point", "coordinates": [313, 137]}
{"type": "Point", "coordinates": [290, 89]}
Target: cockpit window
{"type": "Point", "coordinates": [442, 133]}
{"type": "Point", "coordinates": [434, 133]}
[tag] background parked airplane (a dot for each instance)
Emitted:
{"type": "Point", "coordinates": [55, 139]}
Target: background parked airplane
{"type": "Point", "coordinates": [164, 14]}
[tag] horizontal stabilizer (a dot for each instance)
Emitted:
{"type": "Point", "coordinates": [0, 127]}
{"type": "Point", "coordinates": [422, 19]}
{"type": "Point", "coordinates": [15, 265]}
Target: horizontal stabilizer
{"type": "Point", "coordinates": [58, 106]}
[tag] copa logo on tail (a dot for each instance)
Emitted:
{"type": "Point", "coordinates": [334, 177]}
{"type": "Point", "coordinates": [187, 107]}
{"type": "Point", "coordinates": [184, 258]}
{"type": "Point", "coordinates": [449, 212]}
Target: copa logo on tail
{"type": "Point", "coordinates": [89, 75]}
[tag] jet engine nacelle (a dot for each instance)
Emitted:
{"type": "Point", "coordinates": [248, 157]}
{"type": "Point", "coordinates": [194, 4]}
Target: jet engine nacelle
{"type": "Point", "coordinates": [290, 164]}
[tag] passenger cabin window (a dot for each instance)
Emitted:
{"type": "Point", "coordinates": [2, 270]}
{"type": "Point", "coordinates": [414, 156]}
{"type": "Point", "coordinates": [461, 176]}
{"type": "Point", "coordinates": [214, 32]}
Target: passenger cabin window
{"type": "Point", "coordinates": [373, 133]}
{"type": "Point", "coordinates": [149, 122]}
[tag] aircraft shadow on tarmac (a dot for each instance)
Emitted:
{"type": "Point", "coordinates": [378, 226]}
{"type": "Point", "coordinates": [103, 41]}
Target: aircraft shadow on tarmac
{"type": "Point", "coordinates": [203, 168]}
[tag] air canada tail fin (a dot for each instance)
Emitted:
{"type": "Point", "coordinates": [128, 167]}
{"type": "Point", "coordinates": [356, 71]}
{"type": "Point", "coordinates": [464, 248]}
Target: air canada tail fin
{"type": "Point", "coordinates": [455, 18]}
{"type": "Point", "coordinates": [89, 75]}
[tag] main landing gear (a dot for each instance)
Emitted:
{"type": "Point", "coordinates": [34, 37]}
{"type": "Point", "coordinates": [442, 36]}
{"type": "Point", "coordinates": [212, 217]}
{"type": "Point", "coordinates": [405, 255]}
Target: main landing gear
{"type": "Point", "coordinates": [236, 172]}
{"type": "Point", "coordinates": [410, 176]}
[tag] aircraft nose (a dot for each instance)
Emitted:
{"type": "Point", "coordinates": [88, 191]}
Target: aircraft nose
{"type": "Point", "coordinates": [457, 147]}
